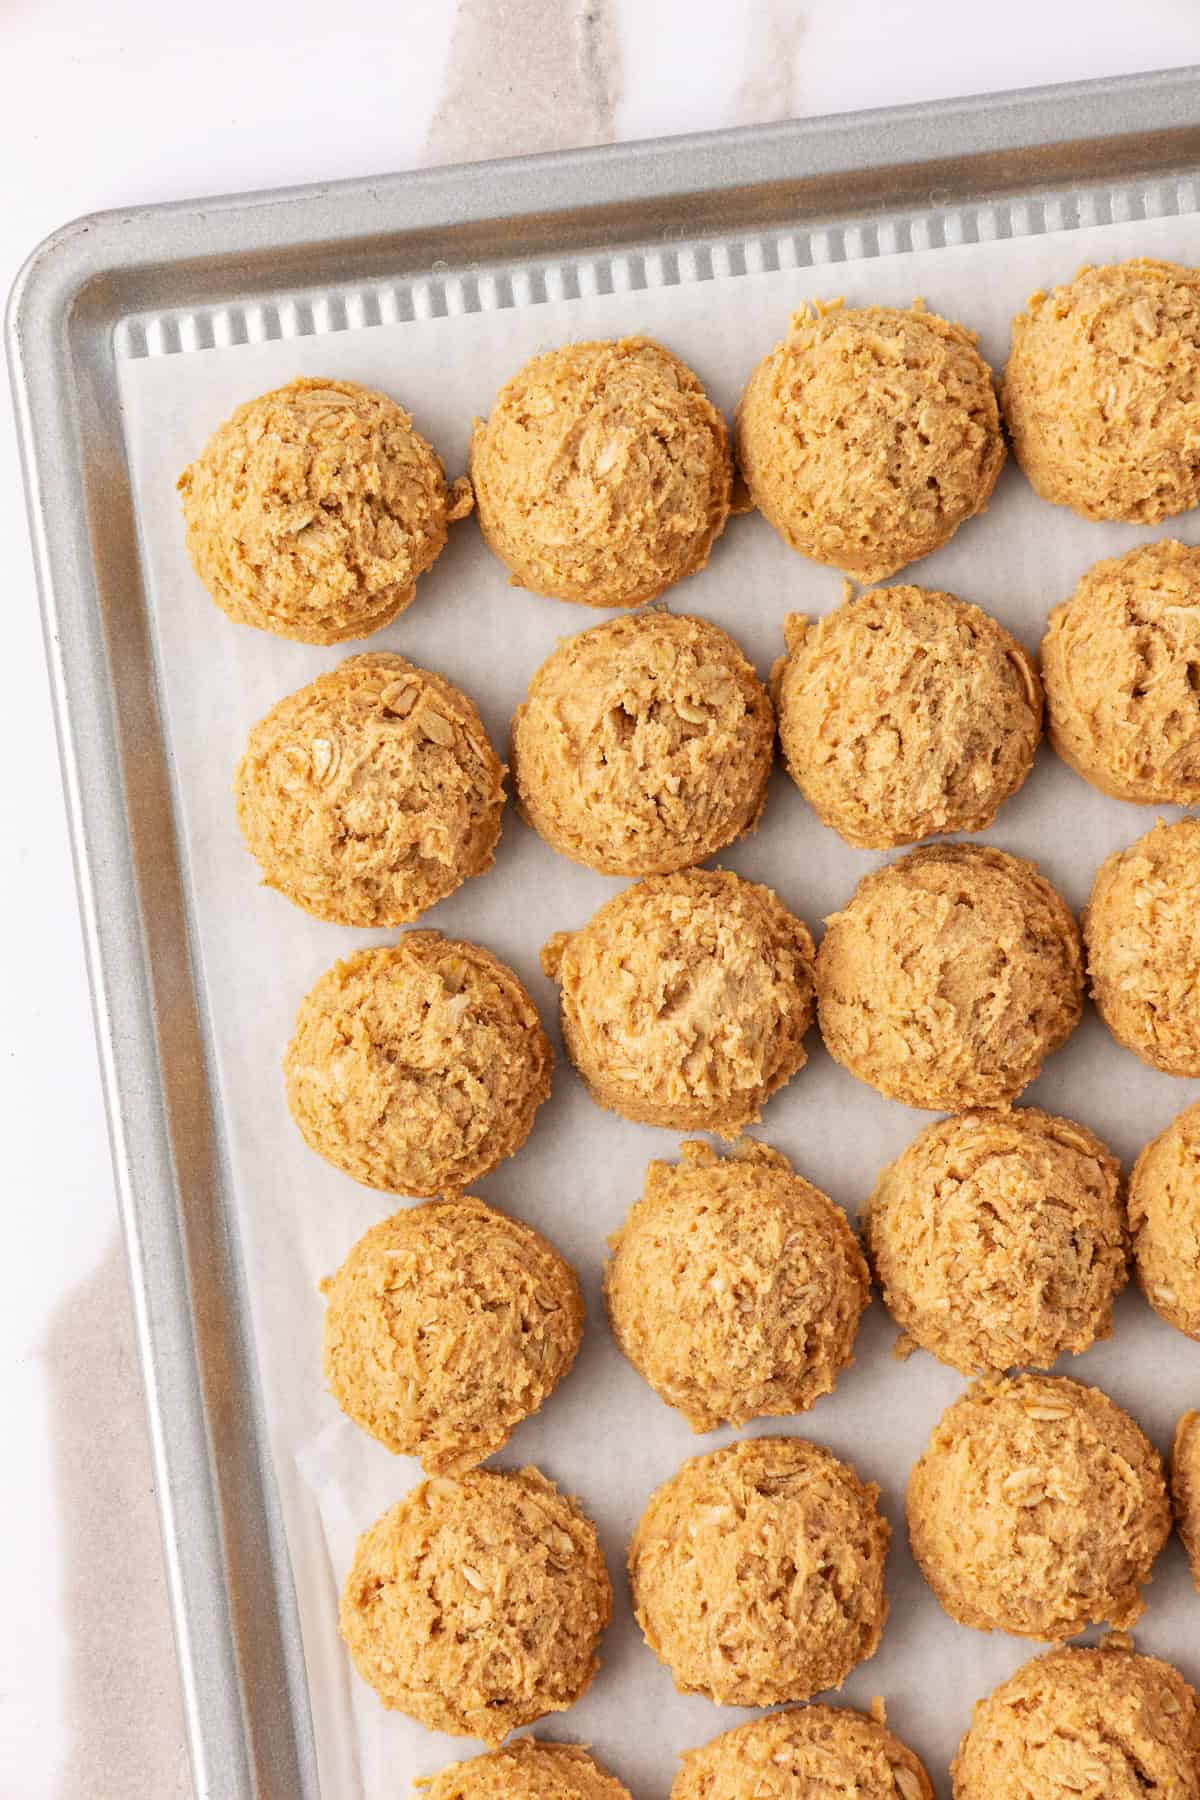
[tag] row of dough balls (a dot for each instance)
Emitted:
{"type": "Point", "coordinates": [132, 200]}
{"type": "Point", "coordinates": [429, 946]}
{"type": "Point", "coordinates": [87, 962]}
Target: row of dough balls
{"type": "Point", "coordinates": [604, 474]}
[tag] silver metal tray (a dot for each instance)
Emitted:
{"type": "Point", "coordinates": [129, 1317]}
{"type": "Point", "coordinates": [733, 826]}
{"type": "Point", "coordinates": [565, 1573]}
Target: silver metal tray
{"type": "Point", "coordinates": [154, 281]}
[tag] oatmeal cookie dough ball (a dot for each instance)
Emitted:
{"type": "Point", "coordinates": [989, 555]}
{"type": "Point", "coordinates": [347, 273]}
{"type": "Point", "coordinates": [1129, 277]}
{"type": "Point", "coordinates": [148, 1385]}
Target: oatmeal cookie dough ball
{"type": "Point", "coordinates": [371, 794]}
{"type": "Point", "coordinates": [999, 1239]}
{"type": "Point", "coordinates": [526, 1770]}
{"type": "Point", "coordinates": [1185, 1488]}
{"type": "Point", "coordinates": [735, 1288]}
{"type": "Point", "coordinates": [1038, 1508]}
{"type": "Point", "coordinates": [803, 1752]}
{"type": "Point", "coordinates": [446, 1326]}
{"type": "Point", "coordinates": [1142, 931]}
{"type": "Point", "coordinates": [417, 1067]}
{"type": "Point", "coordinates": [1164, 1220]}
{"type": "Point", "coordinates": [757, 1572]}
{"type": "Point", "coordinates": [475, 1605]}
{"type": "Point", "coordinates": [313, 510]}
{"type": "Point", "coordinates": [644, 745]}
{"type": "Point", "coordinates": [905, 712]}
{"type": "Point", "coordinates": [869, 435]}
{"type": "Point", "coordinates": [1102, 391]}
{"type": "Point", "coordinates": [949, 978]}
{"type": "Point", "coordinates": [603, 474]}
{"type": "Point", "coordinates": [685, 1000]}
{"type": "Point", "coordinates": [1084, 1724]}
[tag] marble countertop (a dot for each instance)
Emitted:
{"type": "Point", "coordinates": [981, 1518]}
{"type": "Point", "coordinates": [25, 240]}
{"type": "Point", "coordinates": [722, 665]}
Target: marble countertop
{"type": "Point", "coordinates": [120, 104]}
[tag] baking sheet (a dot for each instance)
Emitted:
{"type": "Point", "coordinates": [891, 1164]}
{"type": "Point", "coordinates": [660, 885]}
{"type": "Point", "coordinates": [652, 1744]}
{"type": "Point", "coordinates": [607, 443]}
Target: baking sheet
{"type": "Point", "coordinates": [604, 1435]}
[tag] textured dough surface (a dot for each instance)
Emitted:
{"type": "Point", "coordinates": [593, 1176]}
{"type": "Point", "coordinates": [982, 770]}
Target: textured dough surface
{"type": "Point", "coordinates": [313, 510]}
{"type": "Point", "coordinates": [1185, 1488]}
{"type": "Point", "coordinates": [526, 1770]}
{"type": "Point", "coordinates": [644, 745]}
{"type": "Point", "coordinates": [1142, 931]}
{"type": "Point", "coordinates": [735, 1288]}
{"type": "Point", "coordinates": [603, 473]}
{"type": "Point", "coordinates": [685, 1000]}
{"type": "Point", "coordinates": [805, 1753]}
{"type": "Point", "coordinates": [906, 712]}
{"type": "Point", "coordinates": [417, 1067]}
{"type": "Point", "coordinates": [999, 1239]}
{"type": "Point", "coordinates": [1164, 1221]}
{"type": "Point", "coordinates": [869, 435]}
{"type": "Point", "coordinates": [372, 793]}
{"type": "Point", "coordinates": [1086, 1724]}
{"type": "Point", "coordinates": [446, 1326]}
{"type": "Point", "coordinates": [1038, 1508]}
{"type": "Point", "coordinates": [949, 978]}
{"type": "Point", "coordinates": [476, 1604]}
{"type": "Point", "coordinates": [1101, 395]}
{"type": "Point", "coordinates": [757, 1572]}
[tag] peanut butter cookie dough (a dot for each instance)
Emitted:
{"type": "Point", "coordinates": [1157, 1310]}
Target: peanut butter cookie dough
{"type": "Point", "coordinates": [1038, 1508]}
{"type": "Point", "coordinates": [802, 1753]}
{"type": "Point", "coordinates": [1102, 391]}
{"type": "Point", "coordinates": [757, 1572]}
{"type": "Point", "coordinates": [1185, 1488]}
{"type": "Point", "coordinates": [603, 474]}
{"type": "Point", "coordinates": [999, 1239]}
{"type": "Point", "coordinates": [685, 1000]}
{"type": "Point", "coordinates": [1085, 1724]}
{"type": "Point", "coordinates": [905, 712]}
{"type": "Point", "coordinates": [372, 793]}
{"type": "Point", "coordinates": [644, 746]}
{"type": "Point", "coordinates": [417, 1067]}
{"type": "Point", "coordinates": [313, 510]}
{"type": "Point", "coordinates": [526, 1770]}
{"type": "Point", "coordinates": [446, 1326]}
{"type": "Point", "coordinates": [949, 978]}
{"type": "Point", "coordinates": [475, 1605]}
{"type": "Point", "coordinates": [1142, 931]}
{"type": "Point", "coordinates": [1164, 1219]}
{"type": "Point", "coordinates": [869, 435]}
{"type": "Point", "coordinates": [734, 1287]}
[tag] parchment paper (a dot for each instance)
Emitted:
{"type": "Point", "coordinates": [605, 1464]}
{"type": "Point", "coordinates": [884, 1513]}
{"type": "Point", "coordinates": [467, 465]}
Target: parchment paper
{"type": "Point", "coordinates": [605, 1436]}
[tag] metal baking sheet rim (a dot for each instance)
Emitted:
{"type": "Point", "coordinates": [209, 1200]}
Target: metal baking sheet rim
{"type": "Point", "coordinates": [169, 279]}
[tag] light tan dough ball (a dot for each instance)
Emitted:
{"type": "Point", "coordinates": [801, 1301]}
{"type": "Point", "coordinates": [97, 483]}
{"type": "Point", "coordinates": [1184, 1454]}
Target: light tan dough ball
{"type": "Point", "coordinates": [1085, 1724]}
{"type": "Point", "coordinates": [526, 1770]}
{"type": "Point", "coordinates": [869, 435]}
{"type": "Point", "coordinates": [904, 713]}
{"type": "Point", "coordinates": [417, 1067]}
{"type": "Point", "coordinates": [735, 1288]}
{"type": "Point", "coordinates": [1164, 1220]}
{"type": "Point", "coordinates": [371, 794]}
{"type": "Point", "coordinates": [1038, 1508]}
{"type": "Point", "coordinates": [1142, 931]}
{"type": "Point", "coordinates": [1185, 1488]}
{"type": "Point", "coordinates": [804, 1753]}
{"type": "Point", "coordinates": [603, 473]}
{"type": "Point", "coordinates": [685, 1000]}
{"type": "Point", "coordinates": [476, 1605]}
{"type": "Point", "coordinates": [313, 510]}
{"type": "Point", "coordinates": [757, 1572]}
{"type": "Point", "coordinates": [644, 745]}
{"type": "Point", "coordinates": [950, 977]}
{"type": "Point", "coordinates": [1101, 395]}
{"type": "Point", "coordinates": [999, 1239]}
{"type": "Point", "coordinates": [446, 1326]}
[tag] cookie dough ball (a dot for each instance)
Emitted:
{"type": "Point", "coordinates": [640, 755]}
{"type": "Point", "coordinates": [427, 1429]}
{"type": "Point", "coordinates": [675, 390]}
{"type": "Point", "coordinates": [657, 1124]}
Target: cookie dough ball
{"type": "Point", "coordinates": [757, 1572]}
{"type": "Point", "coordinates": [869, 435]}
{"type": "Point", "coordinates": [801, 1753]}
{"type": "Point", "coordinates": [735, 1288]}
{"type": "Point", "coordinates": [445, 1327]}
{"type": "Point", "coordinates": [312, 511]}
{"type": "Point", "coordinates": [526, 1770]}
{"type": "Point", "coordinates": [1142, 931]}
{"type": "Point", "coordinates": [1094, 1724]}
{"type": "Point", "coordinates": [999, 1239]}
{"type": "Point", "coordinates": [685, 1000]}
{"type": "Point", "coordinates": [644, 746]}
{"type": "Point", "coordinates": [1038, 1508]}
{"type": "Point", "coordinates": [950, 977]}
{"type": "Point", "coordinates": [371, 794]}
{"type": "Point", "coordinates": [1185, 1487]}
{"type": "Point", "coordinates": [906, 712]}
{"type": "Point", "coordinates": [417, 1067]}
{"type": "Point", "coordinates": [475, 1605]}
{"type": "Point", "coordinates": [1102, 392]}
{"type": "Point", "coordinates": [603, 474]}
{"type": "Point", "coordinates": [1164, 1219]}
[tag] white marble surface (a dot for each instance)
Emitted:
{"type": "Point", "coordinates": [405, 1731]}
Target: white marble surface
{"type": "Point", "coordinates": [127, 102]}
